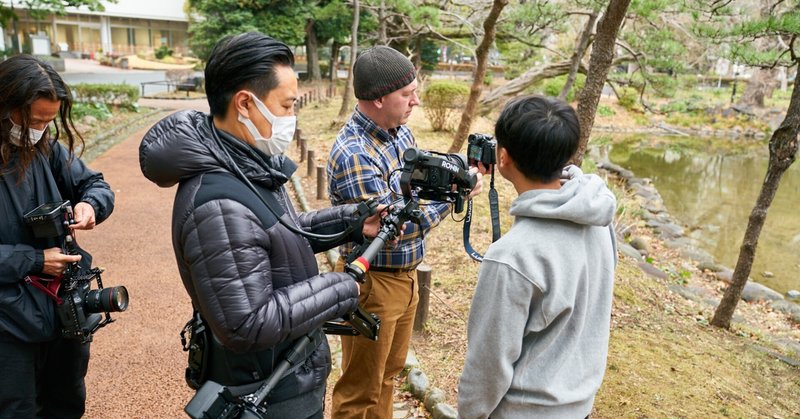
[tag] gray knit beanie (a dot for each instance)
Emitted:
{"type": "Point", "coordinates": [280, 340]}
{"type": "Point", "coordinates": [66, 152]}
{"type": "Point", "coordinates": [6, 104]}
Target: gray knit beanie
{"type": "Point", "coordinates": [381, 70]}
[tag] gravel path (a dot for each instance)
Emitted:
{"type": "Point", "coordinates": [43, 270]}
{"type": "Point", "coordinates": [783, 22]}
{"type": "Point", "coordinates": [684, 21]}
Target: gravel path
{"type": "Point", "coordinates": [136, 369]}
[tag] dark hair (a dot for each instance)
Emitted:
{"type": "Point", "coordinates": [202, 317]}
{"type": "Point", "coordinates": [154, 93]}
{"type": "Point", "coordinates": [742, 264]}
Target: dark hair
{"type": "Point", "coordinates": [540, 134]}
{"type": "Point", "coordinates": [244, 61]}
{"type": "Point", "coordinates": [26, 79]}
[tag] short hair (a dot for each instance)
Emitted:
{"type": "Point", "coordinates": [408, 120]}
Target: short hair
{"type": "Point", "coordinates": [244, 61]}
{"type": "Point", "coordinates": [27, 79]}
{"type": "Point", "coordinates": [540, 134]}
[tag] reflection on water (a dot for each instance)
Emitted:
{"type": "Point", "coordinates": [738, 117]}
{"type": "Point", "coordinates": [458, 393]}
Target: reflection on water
{"type": "Point", "coordinates": [713, 192]}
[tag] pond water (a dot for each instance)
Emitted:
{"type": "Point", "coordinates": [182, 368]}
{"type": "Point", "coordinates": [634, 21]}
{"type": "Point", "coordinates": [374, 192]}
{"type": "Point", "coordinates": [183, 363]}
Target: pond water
{"type": "Point", "coordinates": [711, 189]}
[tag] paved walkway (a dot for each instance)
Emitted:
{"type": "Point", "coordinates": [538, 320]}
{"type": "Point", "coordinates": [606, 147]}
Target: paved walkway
{"type": "Point", "coordinates": [136, 369]}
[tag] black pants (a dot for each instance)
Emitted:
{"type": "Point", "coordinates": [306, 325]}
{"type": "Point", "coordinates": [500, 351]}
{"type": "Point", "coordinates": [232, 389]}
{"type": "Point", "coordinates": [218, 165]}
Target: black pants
{"type": "Point", "coordinates": [43, 380]}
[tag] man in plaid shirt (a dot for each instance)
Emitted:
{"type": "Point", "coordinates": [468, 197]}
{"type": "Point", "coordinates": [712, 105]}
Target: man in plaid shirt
{"type": "Point", "coordinates": [364, 163]}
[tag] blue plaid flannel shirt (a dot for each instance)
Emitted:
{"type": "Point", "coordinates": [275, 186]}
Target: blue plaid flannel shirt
{"type": "Point", "coordinates": [364, 161]}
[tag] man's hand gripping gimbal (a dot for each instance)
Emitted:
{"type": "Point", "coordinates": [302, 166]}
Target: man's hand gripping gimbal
{"type": "Point", "coordinates": [360, 321]}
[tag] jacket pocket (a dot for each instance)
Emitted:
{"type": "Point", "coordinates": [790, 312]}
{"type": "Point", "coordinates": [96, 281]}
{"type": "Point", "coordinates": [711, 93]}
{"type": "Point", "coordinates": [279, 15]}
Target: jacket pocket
{"type": "Point", "coordinates": [27, 313]}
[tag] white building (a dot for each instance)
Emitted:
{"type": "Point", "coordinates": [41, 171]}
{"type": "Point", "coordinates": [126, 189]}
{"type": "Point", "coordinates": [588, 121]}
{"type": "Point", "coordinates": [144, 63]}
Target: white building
{"type": "Point", "coordinates": [124, 27]}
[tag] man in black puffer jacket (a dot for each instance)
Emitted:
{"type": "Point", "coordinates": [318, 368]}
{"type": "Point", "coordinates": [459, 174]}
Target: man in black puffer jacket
{"type": "Point", "coordinates": [253, 280]}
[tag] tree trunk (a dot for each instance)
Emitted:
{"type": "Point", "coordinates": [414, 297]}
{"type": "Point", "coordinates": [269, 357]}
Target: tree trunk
{"type": "Point", "coordinates": [782, 153]}
{"type": "Point", "coordinates": [382, 40]}
{"type": "Point", "coordinates": [763, 81]}
{"type": "Point", "coordinates": [519, 84]}
{"type": "Point", "coordinates": [333, 68]}
{"type": "Point", "coordinates": [416, 55]}
{"type": "Point", "coordinates": [577, 56]}
{"type": "Point", "coordinates": [761, 85]}
{"type": "Point", "coordinates": [482, 56]}
{"type": "Point", "coordinates": [348, 89]}
{"type": "Point", "coordinates": [599, 64]}
{"type": "Point", "coordinates": [312, 52]}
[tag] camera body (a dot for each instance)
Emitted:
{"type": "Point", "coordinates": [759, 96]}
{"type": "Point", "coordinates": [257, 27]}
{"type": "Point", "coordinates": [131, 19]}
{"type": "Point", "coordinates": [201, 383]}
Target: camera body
{"type": "Point", "coordinates": [437, 177]}
{"type": "Point", "coordinates": [78, 306]}
{"type": "Point", "coordinates": [482, 148]}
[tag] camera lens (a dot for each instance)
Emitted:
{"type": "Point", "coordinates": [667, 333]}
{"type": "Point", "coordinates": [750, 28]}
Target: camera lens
{"type": "Point", "coordinates": [110, 299]}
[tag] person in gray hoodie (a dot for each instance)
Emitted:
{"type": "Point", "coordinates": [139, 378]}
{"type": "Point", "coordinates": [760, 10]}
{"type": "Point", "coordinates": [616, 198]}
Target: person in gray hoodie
{"type": "Point", "coordinates": [539, 321]}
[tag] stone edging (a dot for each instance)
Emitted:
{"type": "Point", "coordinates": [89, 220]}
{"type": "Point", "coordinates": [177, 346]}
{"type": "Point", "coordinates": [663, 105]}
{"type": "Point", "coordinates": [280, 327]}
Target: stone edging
{"type": "Point", "coordinates": [173, 98]}
{"type": "Point", "coordinates": [665, 130]}
{"type": "Point", "coordinates": [659, 220]}
{"type": "Point", "coordinates": [99, 144]}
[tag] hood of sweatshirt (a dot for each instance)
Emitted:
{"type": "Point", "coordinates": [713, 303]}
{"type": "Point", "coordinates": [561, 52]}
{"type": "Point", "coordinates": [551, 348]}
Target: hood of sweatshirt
{"type": "Point", "coordinates": [583, 199]}
{"type": "Point", "coordinates": [182, 146]}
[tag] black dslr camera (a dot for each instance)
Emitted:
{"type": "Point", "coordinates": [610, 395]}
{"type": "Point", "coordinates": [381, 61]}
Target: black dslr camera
{"type": "Point", "coordinates": [437, 177]}
{"type": "Point", "coordinates": [481, 148]}
{"type": "Point", "coordinates": [78, 306]}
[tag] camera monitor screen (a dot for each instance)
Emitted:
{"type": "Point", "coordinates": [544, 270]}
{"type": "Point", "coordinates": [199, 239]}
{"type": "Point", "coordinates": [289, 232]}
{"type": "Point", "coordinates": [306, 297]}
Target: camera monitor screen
{"type": "Point", "coordinates": [474, 152]}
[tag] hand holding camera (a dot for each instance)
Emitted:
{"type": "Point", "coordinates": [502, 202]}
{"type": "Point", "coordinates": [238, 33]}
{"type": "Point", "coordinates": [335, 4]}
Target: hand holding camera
{"type": "Point", "coordinates": [78, 306]}
{"type": "Point", "coordinates": [84, 217]}
{"type": "Point", "coordinates": [55, 262]}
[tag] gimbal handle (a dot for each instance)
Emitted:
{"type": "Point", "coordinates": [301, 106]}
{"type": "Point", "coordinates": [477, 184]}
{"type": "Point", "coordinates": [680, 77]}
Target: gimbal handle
{"type": "Point", "coordinates": [362, 322]}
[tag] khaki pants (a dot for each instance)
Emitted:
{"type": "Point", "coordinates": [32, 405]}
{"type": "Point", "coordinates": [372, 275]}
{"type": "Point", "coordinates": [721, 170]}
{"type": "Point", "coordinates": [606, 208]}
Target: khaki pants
{"type": "Point", "coordinates": [366, 387]}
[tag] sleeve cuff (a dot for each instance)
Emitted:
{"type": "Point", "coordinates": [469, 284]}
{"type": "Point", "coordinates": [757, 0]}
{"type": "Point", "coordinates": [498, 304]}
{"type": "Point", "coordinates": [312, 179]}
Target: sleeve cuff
{"type": "Point", "coordinates": [93, 202]}
{"type": "Point", "coordinates": [38, 261]}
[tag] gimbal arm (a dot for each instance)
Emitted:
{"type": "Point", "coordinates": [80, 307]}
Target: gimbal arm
{"type": "Point", "coordinates": [362, 322]}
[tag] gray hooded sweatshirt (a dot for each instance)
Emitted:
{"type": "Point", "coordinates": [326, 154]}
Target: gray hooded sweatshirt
{"type": "Point", "coordinates": [539, 322]}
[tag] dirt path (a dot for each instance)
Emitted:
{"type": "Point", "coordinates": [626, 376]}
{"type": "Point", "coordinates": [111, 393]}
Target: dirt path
{"type": "Point", "coordinates": [136, 369]}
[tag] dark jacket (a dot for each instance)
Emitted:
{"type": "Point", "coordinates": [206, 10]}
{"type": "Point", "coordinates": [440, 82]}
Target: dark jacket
{"type": "Point", "coordinates": [26, 312]}
{"type": "Point", "coordinates": [254, 281]}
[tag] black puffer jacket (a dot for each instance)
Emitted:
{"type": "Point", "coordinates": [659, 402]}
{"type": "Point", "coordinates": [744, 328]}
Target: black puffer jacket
{"type": "Point", "coordinates": [254, 281]}
{"type": "Point", "coordinates": [25, 312]}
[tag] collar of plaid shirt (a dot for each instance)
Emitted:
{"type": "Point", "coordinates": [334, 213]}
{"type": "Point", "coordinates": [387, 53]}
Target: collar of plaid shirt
{"type": "Point", "coordinates": [371, 127]}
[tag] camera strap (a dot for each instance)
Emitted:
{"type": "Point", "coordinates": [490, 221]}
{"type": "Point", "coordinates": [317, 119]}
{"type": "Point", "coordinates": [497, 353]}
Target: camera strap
{"type": "Point", "coordinates": [49, 286]}
{"type": "Point", "coordinates": [494, 209]}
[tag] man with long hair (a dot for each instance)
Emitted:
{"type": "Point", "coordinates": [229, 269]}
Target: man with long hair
{"type": "Point", "coordinates": [42, 372]}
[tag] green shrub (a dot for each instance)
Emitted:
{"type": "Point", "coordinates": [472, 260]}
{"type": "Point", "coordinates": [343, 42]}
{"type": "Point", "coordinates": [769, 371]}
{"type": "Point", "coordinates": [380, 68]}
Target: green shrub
{"type": "Point", "coordinates": [98, 110]}
{"type": "Point", "coordinates": [488, 78]}
{"type": "Point", "coordinates": [628, 97]}
{"type": "Point", "coordinates": [163, 52]}
{"type": "Point", "coordinates": [552, 87]}
{"type": "Point", "coordinates": [686, 106]}
{"type": "Point", "coordinates": [113, 95]}
{"type": "Point", "coordinates": [442, 99]}
{"type": "Point", "coordinates": [605, 110]}
{"type": "Point", "coordinates": [664, 86]}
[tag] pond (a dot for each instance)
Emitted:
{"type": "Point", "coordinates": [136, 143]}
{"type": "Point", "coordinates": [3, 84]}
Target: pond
{"type": "Point", "coordinates": [711, 187]}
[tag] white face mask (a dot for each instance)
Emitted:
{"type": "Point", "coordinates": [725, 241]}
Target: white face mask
{"type": "Point", "coordinates": [282, 130]}
{"type": "Point", "coordinates": [34, 135]}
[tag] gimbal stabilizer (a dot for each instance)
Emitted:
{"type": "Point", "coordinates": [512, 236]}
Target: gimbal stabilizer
{"type": "Point", "coordinates": [215, 401]}
{"type": "Point", "coordinates": [362, 322]}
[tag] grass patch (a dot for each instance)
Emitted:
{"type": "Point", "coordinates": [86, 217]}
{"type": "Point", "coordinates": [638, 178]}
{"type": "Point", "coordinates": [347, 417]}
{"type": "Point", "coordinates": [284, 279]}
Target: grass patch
{"type": "Point", "coordinates": [663, 361]}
